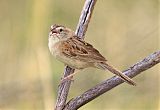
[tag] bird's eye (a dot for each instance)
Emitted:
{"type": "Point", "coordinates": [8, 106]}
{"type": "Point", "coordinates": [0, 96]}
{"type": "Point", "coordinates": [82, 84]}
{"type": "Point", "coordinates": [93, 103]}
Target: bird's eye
{"type": "Point", "coordinates": [61, 30]}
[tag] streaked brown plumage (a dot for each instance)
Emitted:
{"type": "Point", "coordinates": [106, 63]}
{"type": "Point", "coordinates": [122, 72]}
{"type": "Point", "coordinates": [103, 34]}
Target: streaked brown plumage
{"type": "Point", "coordinates": [77, 53]}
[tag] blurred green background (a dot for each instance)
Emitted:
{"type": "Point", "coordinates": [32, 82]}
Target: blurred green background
{"type": "Point", "coordinates": [124, 31]}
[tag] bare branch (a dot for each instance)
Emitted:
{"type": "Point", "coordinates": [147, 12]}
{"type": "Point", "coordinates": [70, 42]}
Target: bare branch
{"type": "Point", "coordinates": [63, 90]}
{"type": "Point", "coordinates": [107, 85]}
{"type": "Point", "coordinates": [80, 31]}
{"type": "Point", "coordinates": [85, 18]}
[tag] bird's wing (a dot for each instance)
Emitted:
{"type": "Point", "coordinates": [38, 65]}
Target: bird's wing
{"type": "Point", "coordinates": [81, 50]}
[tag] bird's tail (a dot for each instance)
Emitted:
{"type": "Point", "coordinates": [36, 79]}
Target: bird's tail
{"type": "Point", "coordinates": [106, 66]}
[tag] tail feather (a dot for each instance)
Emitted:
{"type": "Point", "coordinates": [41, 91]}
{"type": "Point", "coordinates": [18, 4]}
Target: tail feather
{"type": "Point", "coordinates": [106, 66]}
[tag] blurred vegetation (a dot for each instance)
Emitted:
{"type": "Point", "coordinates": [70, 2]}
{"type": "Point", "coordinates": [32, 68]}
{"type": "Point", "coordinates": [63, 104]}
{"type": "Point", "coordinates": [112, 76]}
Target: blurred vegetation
{"type": "Point", "coordinates": [124, 31]}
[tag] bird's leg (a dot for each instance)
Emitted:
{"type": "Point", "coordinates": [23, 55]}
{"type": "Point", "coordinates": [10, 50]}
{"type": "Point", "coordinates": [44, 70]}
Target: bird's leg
{"type": "Point", "coordinates": [69, 77]}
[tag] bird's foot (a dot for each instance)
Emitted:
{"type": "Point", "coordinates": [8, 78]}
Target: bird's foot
{"type": "Point", "coordinates": [67, 78]}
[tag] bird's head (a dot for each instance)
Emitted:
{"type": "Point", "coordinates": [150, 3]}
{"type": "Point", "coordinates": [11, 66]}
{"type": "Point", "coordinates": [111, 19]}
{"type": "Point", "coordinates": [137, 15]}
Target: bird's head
{"type": "Point", "coordinates": [60, 32]}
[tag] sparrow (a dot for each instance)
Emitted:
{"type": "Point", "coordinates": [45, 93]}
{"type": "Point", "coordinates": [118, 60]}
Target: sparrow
{"type": "Point", "coordinates": [65, 46]}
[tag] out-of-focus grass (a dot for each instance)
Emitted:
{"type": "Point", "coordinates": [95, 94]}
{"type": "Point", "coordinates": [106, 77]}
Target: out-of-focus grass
{"type": "Point", "coordinates": [124, 31]}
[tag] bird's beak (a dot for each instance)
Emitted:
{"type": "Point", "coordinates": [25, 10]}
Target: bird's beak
{"type": "Point", "coordinates": [54, 31]}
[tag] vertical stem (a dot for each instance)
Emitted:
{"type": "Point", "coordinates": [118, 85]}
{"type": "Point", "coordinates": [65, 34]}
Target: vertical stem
{"type": "Point", "coordinates": [80, 32]}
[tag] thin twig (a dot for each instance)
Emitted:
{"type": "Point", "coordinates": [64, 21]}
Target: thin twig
{"type": "Point", "coordinates": [80, 32]}
{"type": "Point", "coordinates": [107, 85]}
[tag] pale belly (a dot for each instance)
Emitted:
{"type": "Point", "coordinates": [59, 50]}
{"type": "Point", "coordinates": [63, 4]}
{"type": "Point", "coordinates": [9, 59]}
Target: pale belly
{"type": "Point", "coordinates": [74, 63]}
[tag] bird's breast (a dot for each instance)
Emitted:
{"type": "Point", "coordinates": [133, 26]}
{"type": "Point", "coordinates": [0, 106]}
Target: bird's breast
{"type": "Point", "coordinates": [55, 49]}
